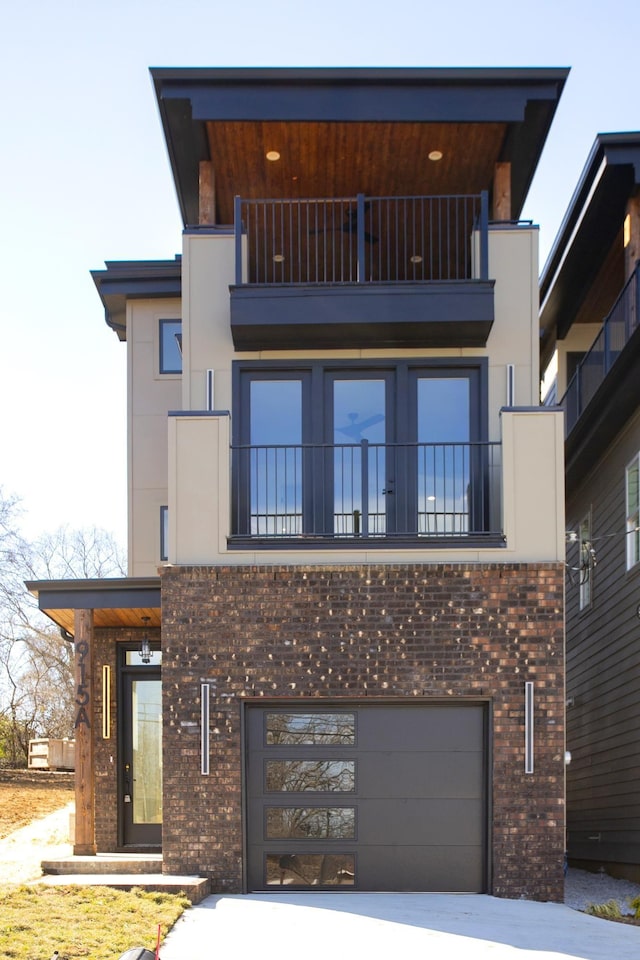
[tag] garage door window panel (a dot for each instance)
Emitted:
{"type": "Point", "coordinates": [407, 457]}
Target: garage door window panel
{"type": "Point", "coordinates": [311, 823]}
{"type": "Point", "coordinates": [315, 776]}
{"type": "Point", "coordinates": [310, 870]}
{"type": "Point", "coordinates": [310, 729]}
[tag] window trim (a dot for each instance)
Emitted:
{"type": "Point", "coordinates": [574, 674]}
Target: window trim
{"type": "Point", "coordinates": [632, 541]}
{"type": "Point", "coordinates": [163, 372]}
{"type": "Point", "coordinates": [585, 584]}
{"type": "Point", "coordinates": [164, 532]}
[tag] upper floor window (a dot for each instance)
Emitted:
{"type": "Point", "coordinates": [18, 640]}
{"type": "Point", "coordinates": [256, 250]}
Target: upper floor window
{"type": "Point", "coordinates": [633, 512]}
{"type": "Point", "coordinates": [164, 533]}
{"type": "Point", "coordinates": [586, 563]}
{"type": "Point", "coordinates": [170, 346]}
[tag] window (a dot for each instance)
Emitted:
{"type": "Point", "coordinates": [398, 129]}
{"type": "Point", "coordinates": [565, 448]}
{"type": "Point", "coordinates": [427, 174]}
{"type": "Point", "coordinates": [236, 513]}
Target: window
{"type": "Point", "coordinates": [164, 533]}
{"type": "Point", "coordinates": [586, 563]}
{"type": "Point", "coordinates": [633, 512]}
{"type": "Point", "coordinates": [170, 346]}
{"type": "Point", "coordinates": [348, 450]}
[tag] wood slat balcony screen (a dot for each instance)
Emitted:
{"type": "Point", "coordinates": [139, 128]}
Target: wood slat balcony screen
{"type": "Point", "coordinates": [615, 333]}
{"type": "Point", "coordinates": [360, 239]}
{"type": "Point", "coordinates": [366, 490]}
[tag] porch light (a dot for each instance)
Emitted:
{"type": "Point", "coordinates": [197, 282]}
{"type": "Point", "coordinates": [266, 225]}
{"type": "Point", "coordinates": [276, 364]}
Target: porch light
{"type": "Point", "coordinates": [145, 645]}
{"type": "Point", "coordinates": [435, 155]}
{"type": "Point", "coordinates": [272, 155]}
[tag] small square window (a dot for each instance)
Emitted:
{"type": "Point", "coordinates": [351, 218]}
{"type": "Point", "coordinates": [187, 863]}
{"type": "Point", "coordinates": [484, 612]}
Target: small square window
{"type": "Point", "coordinates": [164, 533]}
{"type": "Point", "coordinates": [170, 346]}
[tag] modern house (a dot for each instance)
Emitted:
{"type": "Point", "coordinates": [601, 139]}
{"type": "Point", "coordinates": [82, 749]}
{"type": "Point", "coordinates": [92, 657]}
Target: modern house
{"type": "Point", "coordinates": [590, 307]}
{"type": "Point", "coordinates": [338, 660]}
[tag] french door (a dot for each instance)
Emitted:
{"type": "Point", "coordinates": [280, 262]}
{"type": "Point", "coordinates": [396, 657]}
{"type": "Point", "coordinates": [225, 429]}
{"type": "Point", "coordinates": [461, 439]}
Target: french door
{"type": "Point", "coordinates": [141, 763]}
{"type": "Point", "coordinates": [357, 451]}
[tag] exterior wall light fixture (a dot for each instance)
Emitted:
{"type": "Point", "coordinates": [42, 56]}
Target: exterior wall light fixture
{"type": "Point", "coordinates": [145, 645]}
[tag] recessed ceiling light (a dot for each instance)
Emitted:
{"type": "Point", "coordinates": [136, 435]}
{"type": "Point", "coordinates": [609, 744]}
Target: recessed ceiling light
{"type": "Point", "coordinates": [278, 258]}
{"type": "Point", "coordinates": [416, 258]}
{"type": "Point", "coordinates": [431, 499]}
{"type": "Point", "coordinates": [435, 155]}
{"type": "Point", "coordinates": [273, 155]}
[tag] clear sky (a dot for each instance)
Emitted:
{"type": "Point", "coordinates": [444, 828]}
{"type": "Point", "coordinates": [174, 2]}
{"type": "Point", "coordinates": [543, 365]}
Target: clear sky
{"type": "Point", "coordinates": [84, 178]}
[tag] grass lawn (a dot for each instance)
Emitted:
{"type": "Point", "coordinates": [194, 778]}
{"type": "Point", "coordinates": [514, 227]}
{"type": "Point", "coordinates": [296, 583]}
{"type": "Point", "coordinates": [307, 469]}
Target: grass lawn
{"type": "Point", "coordinates": [97, 923]}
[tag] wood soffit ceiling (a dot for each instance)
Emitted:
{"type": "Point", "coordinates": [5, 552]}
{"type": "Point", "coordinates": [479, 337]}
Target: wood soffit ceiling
{"type": "Point", "coordinates": [341, 159]}
{"type": "Point", "coordinates": [120, 619]}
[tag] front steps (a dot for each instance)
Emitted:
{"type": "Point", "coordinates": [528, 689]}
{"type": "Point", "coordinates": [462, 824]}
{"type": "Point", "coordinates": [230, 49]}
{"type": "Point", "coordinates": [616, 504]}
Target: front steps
{"type": "Point", "coordinates": [122, 871]}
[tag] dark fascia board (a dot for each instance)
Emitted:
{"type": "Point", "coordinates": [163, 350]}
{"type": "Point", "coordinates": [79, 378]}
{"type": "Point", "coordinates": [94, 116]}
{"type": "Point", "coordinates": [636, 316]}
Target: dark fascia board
{"type": "Point", "coordinates": [135, 280]}
{"type": "Point", "coordinates": [393, 316]}
{"type": "Point", "coordinates": [524, 98]}
{"type": "Point", "coordinates": [106, 594]}
{"type": "Point", "coordinates": [594, 214]}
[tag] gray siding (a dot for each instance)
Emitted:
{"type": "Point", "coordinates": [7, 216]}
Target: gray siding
{"type": "Point", "coordinates": [603, 673]}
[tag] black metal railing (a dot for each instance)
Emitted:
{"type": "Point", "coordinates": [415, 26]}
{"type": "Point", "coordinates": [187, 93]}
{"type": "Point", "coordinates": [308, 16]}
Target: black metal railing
{"type": "Point", "coordinates": [361, 240]}
{"type": "Point", "coordinates": [614, 334]}
{"type": "Point", "coordinates": [366, 490]}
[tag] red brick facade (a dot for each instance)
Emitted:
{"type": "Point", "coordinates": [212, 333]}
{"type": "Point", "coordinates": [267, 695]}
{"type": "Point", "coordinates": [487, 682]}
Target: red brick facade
{"type": "Point", "coordinates": [375, 631]}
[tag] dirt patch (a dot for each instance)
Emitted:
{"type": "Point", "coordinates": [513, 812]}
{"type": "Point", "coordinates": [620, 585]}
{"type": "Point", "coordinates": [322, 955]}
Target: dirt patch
{"type": "Point", "coordinates": [27, 795]}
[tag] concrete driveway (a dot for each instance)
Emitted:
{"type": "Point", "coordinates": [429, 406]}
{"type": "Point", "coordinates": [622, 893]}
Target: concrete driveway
{"type": "Point", "coordinates": [394, 926]}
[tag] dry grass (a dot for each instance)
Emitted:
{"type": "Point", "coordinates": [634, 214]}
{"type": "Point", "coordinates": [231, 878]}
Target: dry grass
{"type": "Point", "coordinates": [81, 923]}
{"type": "Point", "coordinates": [99, 923]}
{"type": "Point", "coordinates": [27, 795]}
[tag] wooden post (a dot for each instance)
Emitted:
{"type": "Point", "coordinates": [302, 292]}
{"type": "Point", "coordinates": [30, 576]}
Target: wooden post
{"type": "Point", "coordinates": [631, 241]}
{"type": "Point", "coordinates": [84, 843]}
{"type": "Point", "coordinates": [631, 236]}
{"type": "Point", "coordinates": [502, 191]}
{"type": "Point", "coordinates": [207, 199]}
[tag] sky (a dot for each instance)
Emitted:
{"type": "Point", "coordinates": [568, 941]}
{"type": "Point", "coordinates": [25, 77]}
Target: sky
{"type": "Point", "coordinates": [84, 178]}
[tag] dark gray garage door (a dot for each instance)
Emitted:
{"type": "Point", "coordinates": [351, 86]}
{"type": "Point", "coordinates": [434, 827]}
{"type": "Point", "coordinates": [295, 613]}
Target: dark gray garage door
{"type": "Point", "coordinates": [369, 797]}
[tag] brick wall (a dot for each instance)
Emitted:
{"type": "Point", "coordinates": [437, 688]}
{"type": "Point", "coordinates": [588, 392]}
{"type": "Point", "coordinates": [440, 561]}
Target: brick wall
{"type": "Point", "coordinates": [415, 631]}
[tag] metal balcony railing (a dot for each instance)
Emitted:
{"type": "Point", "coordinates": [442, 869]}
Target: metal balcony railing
{"type": "Point", "coordinates": [614, 334]}
{"type": "Point", "coordinates": [415, 491]}
{"type": "Point", "coordinates": [361, 240]}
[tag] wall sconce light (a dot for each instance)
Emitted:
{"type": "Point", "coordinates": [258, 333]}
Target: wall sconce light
{"type": "Point", "coordinates": [528, 727]}
{"type": "Point", "coordinates": [145, 645]}
{"type": "Point", "coordinates": [106, 701]}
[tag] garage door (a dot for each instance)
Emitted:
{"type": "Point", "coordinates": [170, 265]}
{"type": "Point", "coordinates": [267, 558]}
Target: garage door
{"type": "Point", "coordinates": [369, 797]}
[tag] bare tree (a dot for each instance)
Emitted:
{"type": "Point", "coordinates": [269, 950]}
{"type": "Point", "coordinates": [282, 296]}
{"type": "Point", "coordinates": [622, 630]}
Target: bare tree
{"type": "Point", "coordinates": [36, 661]}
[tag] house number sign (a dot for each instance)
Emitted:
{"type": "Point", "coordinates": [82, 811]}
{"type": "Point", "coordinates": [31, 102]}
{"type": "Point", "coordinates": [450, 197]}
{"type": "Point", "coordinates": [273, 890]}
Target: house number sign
{"type": "Point", "coordinates": [83, 698]}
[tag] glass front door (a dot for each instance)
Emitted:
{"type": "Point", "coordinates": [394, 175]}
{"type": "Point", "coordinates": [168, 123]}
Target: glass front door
{"type": "Point", "coordinates": [141, 775]}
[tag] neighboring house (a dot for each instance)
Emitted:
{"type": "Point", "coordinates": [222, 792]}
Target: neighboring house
{"type": "Point", "coordinates": [590, 302]}
{"type": "Point", "coordinates": [346, 527]}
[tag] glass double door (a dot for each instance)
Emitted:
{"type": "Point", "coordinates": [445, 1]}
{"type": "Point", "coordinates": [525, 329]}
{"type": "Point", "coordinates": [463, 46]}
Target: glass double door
{"type": "Point", "coordinates": [358, 453]}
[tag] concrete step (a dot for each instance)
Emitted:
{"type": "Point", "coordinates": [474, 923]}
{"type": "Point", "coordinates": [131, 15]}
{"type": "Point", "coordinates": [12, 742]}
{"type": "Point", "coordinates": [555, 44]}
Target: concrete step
{"type": "Point", "coordinates": [194, 888]}
{"type": "Point", "coordinates": [105, 863]}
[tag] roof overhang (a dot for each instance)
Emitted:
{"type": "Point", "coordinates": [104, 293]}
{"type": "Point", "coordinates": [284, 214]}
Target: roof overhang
{"type": "Point", "coordinates": [116, 603]}
{"type": "Point", "coordinates": [135, 280]}
{"type": "Point", "coordinates": [594, 216]}
{"type": "Point", "coordinates": [203, 111]}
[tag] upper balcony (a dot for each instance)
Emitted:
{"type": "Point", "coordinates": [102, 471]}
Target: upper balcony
{"type": "Point", "coordinates": [362, 272]}
{"type": "Point", "coordinates": [602, 393]}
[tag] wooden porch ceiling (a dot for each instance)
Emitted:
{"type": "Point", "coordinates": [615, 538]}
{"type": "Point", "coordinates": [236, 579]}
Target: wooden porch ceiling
{"type": "Point", "coordinates": [116, 604]}
{"type": "Point", "coordinates": [341, 159]}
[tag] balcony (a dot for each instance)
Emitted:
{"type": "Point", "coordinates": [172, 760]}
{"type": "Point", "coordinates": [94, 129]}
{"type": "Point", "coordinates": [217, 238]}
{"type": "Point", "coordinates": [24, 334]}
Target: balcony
{"type": "Point", "coordinates": [617, 330]}
{"type": "Point", "coordinates": [492, 501]}
{"type": "Point", "coordinates": [365, 493]}
{"type": "Point", "coordinates": [602, 393]}
{"type": "Point", "coordinates": [361, 272]}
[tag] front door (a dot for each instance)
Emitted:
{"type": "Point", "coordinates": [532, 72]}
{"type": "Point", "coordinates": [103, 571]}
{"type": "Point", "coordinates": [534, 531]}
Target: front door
{"type": "Point", "coordinates": [141, 768]}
